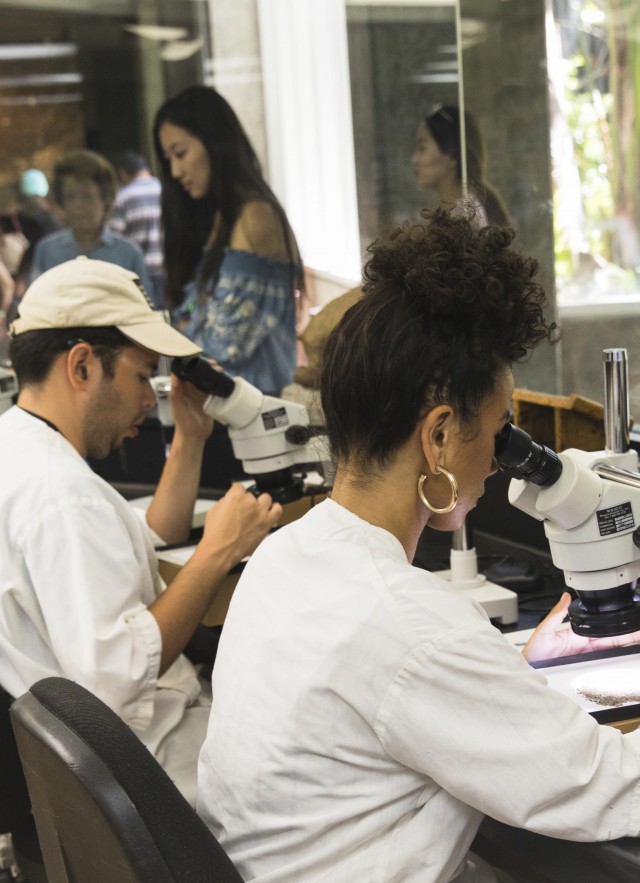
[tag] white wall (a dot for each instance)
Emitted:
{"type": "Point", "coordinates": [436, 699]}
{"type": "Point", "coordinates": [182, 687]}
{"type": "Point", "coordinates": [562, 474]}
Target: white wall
{"type": "Point", "coordinates": [309, 129]}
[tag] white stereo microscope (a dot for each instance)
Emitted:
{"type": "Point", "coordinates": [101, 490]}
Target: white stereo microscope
{"type": "Point", "coordinates": [271, 436]}
{"type": "Point", "coordinates": [590, 505]}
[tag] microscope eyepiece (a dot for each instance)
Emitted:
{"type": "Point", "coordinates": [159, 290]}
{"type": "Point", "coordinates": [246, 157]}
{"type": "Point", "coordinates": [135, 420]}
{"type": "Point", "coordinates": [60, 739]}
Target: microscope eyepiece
{"type": "Point", "coordinates": [202, 374]}
{"type": "Point", "coordinates": [518, 456]}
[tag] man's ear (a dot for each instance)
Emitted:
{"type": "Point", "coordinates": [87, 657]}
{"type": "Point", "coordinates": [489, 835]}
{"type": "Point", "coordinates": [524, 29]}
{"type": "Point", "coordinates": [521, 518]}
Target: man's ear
{"type": "Point", "coordinates": [79, 364]}
{"type": "Point", "coordinates": [435, 434]}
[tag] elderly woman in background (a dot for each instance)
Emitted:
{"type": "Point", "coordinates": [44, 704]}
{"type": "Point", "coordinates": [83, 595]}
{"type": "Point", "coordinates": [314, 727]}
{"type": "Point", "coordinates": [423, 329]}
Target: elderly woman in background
{"type": "Point", "coordinates": [367, 714]}
{"type": "Point", "coordinates": [85, 186]}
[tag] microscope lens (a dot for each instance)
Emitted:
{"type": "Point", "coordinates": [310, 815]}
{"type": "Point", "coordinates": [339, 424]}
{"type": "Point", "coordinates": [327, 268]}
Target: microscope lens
{"type": "Point", "coordinates": [606, 612]}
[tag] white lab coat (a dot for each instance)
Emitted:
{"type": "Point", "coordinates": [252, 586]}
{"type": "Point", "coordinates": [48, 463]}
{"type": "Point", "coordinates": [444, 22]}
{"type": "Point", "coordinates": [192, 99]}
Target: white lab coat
{"type": "Point", "coordinates": [77, 572]}
{"type": "Point", "coordinates": [366, 715]}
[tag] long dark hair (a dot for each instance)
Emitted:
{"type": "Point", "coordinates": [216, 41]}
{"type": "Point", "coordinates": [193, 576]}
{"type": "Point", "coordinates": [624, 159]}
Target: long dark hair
{"type": "Point", "coordinates": [236, 177]}
{"type": "Point", "coordinates": [443, 122]}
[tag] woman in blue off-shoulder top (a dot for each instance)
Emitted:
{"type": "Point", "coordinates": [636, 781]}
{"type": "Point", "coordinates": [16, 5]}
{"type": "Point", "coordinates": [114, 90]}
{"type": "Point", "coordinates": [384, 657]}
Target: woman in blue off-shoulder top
{"type": "Point", "coordinates": [233, 264]}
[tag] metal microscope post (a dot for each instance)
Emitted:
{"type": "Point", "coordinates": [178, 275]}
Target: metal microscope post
{"type": "Point", "coordinates": [617, 438]}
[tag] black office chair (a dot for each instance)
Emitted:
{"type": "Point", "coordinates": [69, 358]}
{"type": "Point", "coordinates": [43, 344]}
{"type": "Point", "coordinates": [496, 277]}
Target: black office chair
{"type": "Point", "coordinates": [105, 810]}
{"type": "Point", "coordinates": [15, 806]}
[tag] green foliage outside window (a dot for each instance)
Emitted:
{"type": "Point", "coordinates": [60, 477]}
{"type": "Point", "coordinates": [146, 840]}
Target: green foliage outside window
{"type": "Point", "coordinates": [601, 84]}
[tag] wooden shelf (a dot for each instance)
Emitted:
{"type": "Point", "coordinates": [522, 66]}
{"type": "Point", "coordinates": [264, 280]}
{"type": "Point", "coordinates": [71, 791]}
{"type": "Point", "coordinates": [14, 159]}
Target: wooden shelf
{"type": "Point", "coordinates": [560, 422]}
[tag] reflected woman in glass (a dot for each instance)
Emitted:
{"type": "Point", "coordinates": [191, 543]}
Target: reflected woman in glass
{"type": "Point", "coordinates": [437, 165]}
{"type": "Point", "coordinates": [232, 261]}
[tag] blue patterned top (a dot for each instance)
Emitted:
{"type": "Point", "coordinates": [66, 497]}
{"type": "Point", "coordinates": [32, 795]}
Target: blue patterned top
{"type": "Point", "coordinates": [247, 321]}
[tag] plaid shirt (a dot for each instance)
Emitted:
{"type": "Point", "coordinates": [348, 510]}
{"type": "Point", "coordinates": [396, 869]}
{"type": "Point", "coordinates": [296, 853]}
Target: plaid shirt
{"type": "Point", "coordinates": [136, 215]}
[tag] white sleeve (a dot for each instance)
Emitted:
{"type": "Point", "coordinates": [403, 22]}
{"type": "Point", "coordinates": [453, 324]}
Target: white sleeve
{"type": "Point", "coordinates": [156, 539]}
{"type": "Point", "coordinates": [93, 581]}
{"type": "Point", "coordinates": [469, 711]}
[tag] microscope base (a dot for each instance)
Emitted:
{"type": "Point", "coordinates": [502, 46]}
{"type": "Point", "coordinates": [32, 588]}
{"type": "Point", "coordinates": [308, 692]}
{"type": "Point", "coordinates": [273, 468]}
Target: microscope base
{"type": "Point", "coordinates": [499, 603]}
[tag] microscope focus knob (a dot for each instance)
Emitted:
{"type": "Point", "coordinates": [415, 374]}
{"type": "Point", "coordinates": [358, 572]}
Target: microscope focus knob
{"type": "Point", "coordinates": [298, 435]}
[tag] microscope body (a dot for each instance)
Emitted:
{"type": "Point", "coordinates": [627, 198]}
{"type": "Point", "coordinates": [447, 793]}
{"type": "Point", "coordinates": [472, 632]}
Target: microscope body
{"type": "Point", "coordinates": [271, 436]}
{"type": "Point", "coordinates": [591, 515]}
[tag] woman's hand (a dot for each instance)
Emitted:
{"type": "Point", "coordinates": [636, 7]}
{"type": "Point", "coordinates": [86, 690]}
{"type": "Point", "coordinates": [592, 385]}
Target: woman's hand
{"type": "Point", "coordinates": [549, 641]}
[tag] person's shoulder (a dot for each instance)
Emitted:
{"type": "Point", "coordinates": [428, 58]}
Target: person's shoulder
{"type": "Point", "coordinates": [51, 247]}
{"type": "Point", "coordinates": [145, 184]}
{"type": "Point", "coordinates": [257, 212]}
{"type": "Point", "coordinates": [54, 237]}
{"type": "Point", "coordinates": [259, 230]}
{"type": "Point", "coordinates": [122, 243]}
{"type": "Point", "coordinates": [150, 182]}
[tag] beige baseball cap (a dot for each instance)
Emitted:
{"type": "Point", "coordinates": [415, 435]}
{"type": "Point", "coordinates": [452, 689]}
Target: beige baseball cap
{"type": "Point", "coordinates": [86, 293]}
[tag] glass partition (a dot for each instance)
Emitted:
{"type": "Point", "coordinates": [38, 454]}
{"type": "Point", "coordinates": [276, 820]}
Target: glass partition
{"type": "Point", "coordinates": [505, 87]}
{"type": "Point", "coordinates": [403, 63]}
{"type": "Point", "coordinates": [409, 60]}
{"type": "Point", "coordinates": [552, 85]}
{"type": "Point", "coordinates": [556, 84]}
{"type": "Point", "coordinates": [593, 58]}
{"type": "Point", "coordinates": [90, 74]}
{"type": "Point", "coordinates": [84, 74]}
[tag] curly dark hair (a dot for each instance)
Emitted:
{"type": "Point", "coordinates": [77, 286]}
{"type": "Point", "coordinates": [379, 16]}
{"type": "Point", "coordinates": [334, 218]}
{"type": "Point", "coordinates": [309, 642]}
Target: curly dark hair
{"type": "Point", "coordinates": [445, 306]}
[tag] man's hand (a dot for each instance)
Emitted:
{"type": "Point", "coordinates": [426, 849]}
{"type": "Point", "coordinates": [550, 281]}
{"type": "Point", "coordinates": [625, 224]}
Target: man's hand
{"type": "Point", "coordinates": [238, 523]}
{"type": "Point", "coordinates": [232, 530]}
{"type": "Point", "coordinates": [186, 406]}
{"type": "Point", "coordinates": [549, 641]}
{"type": "Point", "coordinates": [171, 510]}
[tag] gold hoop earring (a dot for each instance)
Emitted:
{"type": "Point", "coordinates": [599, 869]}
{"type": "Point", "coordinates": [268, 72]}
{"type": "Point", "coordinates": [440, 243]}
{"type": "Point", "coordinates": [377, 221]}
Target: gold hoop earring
{"type": "Point", "coordinates": [454, 492]}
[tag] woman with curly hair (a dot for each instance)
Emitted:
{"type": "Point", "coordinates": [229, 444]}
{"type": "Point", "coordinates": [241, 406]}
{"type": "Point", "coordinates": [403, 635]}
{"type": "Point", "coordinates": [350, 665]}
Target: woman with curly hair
{"type": "Point", "coordinates": [366, 713]}
{"type": "Point", "coordinates": [232, 261]}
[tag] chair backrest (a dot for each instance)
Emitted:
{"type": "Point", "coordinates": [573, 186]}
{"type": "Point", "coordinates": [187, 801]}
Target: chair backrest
{"type": "Point", "coordinates": [105, 810]}
{"type": "Point", "coordinates": [15, 805]}
{"type": "Point", "coordinates": [14, 797]}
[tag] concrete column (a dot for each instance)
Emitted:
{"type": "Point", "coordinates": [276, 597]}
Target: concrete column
{"type": "Point", "coordinates": [235, 67]}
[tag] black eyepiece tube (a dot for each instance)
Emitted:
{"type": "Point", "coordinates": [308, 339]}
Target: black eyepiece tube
{"type": "Point", "coordinates": [519, 456]}
{"type": "Point", "coordinates": [202, 374]}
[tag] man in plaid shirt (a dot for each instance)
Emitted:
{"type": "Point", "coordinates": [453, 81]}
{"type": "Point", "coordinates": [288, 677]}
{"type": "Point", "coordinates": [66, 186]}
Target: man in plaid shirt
{"type": "Point", "coordinates": [136, 215]}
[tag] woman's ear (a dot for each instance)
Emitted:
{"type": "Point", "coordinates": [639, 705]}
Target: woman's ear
{"type": "Point", "coordinates": [435, 434]}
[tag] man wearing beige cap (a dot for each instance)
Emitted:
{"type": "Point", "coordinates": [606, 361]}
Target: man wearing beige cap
{"type": "Point", "coordinates": [80, 594]}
